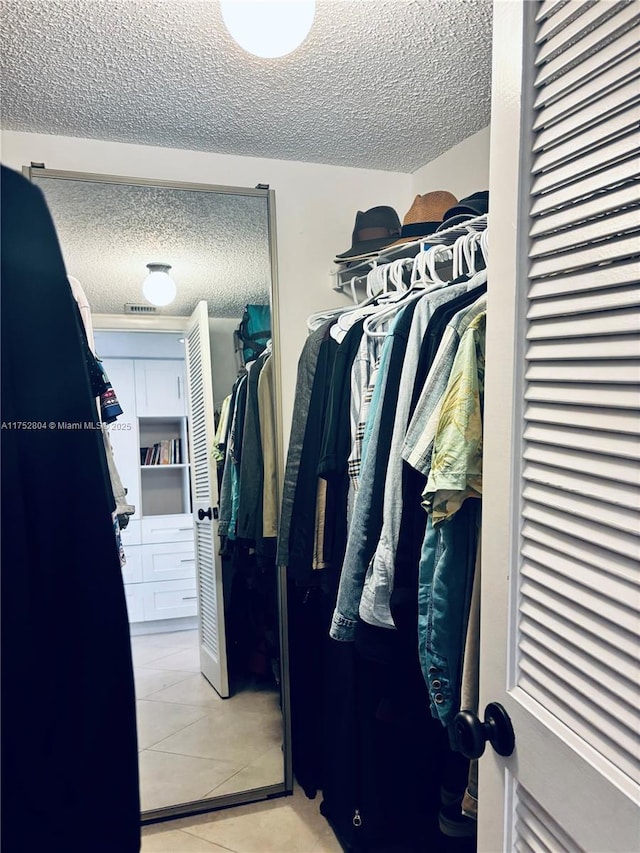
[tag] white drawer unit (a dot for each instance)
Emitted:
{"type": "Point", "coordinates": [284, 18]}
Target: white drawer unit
{"type": "Point", "coordinates": [170, 599]}
{"type": "Point", "coordinates": [135, 601]}
{"type": "Point", "coordinates": [166, 561]}
{"type": "Point", "coordinates": [167, 528]}
{"type": "Point", "coordinates": [132, 534]}
{"type": "Point", "coordinates": [132, 570]}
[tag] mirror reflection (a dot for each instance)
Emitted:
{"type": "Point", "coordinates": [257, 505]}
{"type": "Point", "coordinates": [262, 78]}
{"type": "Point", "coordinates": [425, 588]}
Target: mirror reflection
{"type": "Point", "coordinates": [190, 408]}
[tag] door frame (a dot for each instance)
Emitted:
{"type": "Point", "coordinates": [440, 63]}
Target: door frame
{"type": "Point", "coordinates": [169, 323]}
{"type": "Point", "coordinates": [508, 190]}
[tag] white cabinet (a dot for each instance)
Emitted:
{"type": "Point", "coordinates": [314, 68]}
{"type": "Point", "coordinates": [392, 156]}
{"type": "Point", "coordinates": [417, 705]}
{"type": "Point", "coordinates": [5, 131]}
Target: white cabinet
{"type": "Point", "coordinates": [132, 534]}
{"type": "Point", "coordinates": [159, 575]}
{"type": "Point", "coordinates": [170, 599]}
{"type": "Point", "coordinates": [160, 388]}
{"type": "Point", "coordinates": [167, 528]}
{"type": "Point", "coordinates": [132, 570]}
{"type": "Point", "coordinates": [168, 561]}
{"type": "Point", "coordinates": [134, 594]}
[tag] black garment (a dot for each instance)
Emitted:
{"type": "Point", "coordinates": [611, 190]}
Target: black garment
{"type": "Point", "coordinates": [399, 754]}
{"type": "Point", "coordinates": [335, 449]}
{"type": "Point", "coordinates": [251, 473]}
{"type": "Point", "coordinates": [303, 515]}
{"type": "Point", "coordinates": [69, 750]}
{"type": "Point", "coordinates": [307, 364]}
{"type": "Point", "coordinates": [344, 688]}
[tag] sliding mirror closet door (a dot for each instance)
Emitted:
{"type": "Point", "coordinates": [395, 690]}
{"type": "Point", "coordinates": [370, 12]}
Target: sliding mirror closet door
{"type": "Point", "coordinates": [204, 596]}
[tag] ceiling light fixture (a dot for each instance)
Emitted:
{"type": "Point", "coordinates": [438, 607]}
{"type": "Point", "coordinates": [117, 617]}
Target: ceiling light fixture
{"type": "Point", "coordinates": [158, 287]}
{"type": "Point", "coordinates": [268, 28]}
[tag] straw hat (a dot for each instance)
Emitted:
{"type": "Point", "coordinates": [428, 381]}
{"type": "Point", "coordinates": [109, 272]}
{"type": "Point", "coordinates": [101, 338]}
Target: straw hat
{"type": "Point", "coordinates": [424, 215]}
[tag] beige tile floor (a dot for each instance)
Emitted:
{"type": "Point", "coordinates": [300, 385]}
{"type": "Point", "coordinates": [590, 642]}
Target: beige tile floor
{"type": "Point", "coordinates": [284, 825]}
{"type": "Point", "coordinates": [193, 744]}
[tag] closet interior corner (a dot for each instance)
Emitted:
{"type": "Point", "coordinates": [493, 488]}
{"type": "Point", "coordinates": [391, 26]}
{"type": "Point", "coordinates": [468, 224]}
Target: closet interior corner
{"type": "Point", "coordinates": [320, 529]}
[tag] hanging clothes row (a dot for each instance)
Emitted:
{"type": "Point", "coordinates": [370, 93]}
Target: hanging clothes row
{"type": "Point", "coordinates": [245, 453]}
{"type": "Point", "coordinates": [388, 424]}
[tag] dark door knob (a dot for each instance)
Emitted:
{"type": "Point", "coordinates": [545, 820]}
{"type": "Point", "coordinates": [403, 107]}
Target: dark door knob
{"type": "Point", "coordinates": [472, 735]}
{"type": "Point", "coordinates": [202, 514]}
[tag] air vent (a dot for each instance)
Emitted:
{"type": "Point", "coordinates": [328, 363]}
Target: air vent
{"type": "Point", "coordinates": [130, 308]}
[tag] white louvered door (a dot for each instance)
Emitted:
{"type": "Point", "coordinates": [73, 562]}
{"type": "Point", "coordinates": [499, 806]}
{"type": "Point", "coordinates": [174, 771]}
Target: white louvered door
{"type": "Point", "coordinates": [561, 521]}
{"type": "Point", "coordinates": [204, 494]}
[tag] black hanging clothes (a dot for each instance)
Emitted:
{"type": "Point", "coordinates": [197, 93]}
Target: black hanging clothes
{"type": "Point", "coordinates": [69, 747]}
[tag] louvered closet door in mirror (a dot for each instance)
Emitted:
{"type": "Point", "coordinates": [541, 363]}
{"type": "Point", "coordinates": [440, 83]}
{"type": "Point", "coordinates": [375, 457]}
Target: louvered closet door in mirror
{"type": "Point", "coordinates": [204, 493]}
{"type": "Point", "coordinates": [561, 601]}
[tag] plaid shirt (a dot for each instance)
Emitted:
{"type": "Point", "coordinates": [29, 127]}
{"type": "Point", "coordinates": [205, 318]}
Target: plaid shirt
{"type": "Point", "coordinates": [355, 458]}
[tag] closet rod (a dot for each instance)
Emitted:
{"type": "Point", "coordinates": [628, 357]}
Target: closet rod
{"type": "Point", "coordinates": [447, 237]}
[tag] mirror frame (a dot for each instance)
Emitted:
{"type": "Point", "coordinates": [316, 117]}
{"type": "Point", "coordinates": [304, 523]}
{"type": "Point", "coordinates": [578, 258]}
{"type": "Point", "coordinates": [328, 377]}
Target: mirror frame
{"type": "Point", "coordinates": [117, 322]}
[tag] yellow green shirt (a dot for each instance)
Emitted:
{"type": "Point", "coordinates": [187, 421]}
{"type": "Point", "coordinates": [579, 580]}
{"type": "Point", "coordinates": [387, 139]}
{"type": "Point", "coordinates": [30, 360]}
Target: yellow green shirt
{"type": "Point", "coordinates": [456, 467]}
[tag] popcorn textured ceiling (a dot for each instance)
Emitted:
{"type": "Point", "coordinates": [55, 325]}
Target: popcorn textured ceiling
{"type": "Point", "coordinates": [217, 244]}
{"type": "Point", "coordinates": [382, 84]}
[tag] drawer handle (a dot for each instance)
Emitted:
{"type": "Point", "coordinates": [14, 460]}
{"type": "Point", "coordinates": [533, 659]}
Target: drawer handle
{"type": "Point", "coordinates": [183, 529]}
{"type": "Point", "coordinates": [191, 560]}
{"type": "Point", "coordinates": [189, 597]}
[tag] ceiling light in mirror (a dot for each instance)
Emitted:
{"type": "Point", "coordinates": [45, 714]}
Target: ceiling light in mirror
{"type": "Point", "coordinates": [268, 28]}
{"type": "Point", "coordinates": [158, 287]}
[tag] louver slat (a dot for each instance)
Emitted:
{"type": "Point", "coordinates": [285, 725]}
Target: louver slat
{"type": "Point", "coordinates": [537, 830]}
{"type": "Point", "coordinates": [560, 19]}
{"type": "Point", "coordinates": [616, 224]}
{"type": "Point", "coordinates": [592, 41]}
{"type": "Point", "coordinates": [608, 251]}
{"type": "Point", "coordinates": [594, 419]}
{"type": "Point", "coordinates": [578, 80]}
{"type": "Point", "coordinates": [612, 443]}
{"type": "Point", "coordinates": [591, 16]}
{"type": "Point", "coordinates": [612, 152]}
{"type": "Point", "coordinates": [604, 81]}
{"type": "Point", "coordinates": [588, 129]}
{"type": "Point", "coordinates": [579, 602]}
{"type": "Point", "coordinates": [548, 8]}
{"type": "Point", "coordinates": [589, 210]}
{"type": "Point", "coordinates": [579, 303]}
{"type": "Point", "coordinates": [588, 187]}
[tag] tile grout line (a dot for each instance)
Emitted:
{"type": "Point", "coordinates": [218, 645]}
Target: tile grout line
{"type": "Point", "coordinates": [214, 843]}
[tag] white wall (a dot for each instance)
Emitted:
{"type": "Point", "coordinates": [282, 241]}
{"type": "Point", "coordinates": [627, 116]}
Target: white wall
{"type": "Point", "coordinates": [462, 170]}
{"type": "Point", "coordinates": [224, 364]}
{"type": "Point", "coordinates": [315, 207]}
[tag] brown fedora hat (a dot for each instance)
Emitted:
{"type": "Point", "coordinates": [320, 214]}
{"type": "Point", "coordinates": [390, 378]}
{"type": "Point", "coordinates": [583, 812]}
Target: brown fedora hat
{"type": "Point", "coordinates": [424, 215]}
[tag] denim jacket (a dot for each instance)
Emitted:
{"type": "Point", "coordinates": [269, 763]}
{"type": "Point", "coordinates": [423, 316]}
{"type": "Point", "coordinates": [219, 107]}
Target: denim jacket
{"type": "Point", "coordinates": [447, 565]}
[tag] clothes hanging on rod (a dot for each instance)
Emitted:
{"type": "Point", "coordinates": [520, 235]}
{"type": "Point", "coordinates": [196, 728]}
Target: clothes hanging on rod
{"type": "Point", "coordinates": [361, 707]}
{"type": "Point", "coordinates": [109, 410]}
{"type": "Point", "coordinates": [245, 442]}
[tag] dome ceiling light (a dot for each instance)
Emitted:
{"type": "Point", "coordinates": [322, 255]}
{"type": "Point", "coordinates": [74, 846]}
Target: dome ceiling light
{"type": "Point", "coordinates": [158, 287]}
{"type": "Point", "coordinates": [268, 28]}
